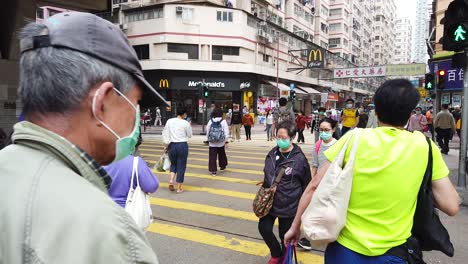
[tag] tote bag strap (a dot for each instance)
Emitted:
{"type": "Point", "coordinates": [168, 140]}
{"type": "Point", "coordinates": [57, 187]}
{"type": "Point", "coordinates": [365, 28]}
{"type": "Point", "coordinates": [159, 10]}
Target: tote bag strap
{"type": "Point", "coordinates": [352, 157]}
{"type": "Point", "coordinates": [135, 172]}
{"type": "Point", "coordinates": [341, 156]}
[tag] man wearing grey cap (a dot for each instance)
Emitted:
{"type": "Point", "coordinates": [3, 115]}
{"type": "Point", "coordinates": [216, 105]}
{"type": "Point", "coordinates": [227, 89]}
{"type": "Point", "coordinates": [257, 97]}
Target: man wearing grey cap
{"type": "Point", "coordinates": [80, 83]}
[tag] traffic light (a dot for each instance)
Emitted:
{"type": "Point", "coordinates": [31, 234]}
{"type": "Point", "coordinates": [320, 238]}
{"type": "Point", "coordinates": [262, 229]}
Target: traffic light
{"type": "Point", "coordinates": [206, 92]}
{"type": "Point", "coordinates": [441, 74]}
{"type": "Point", "coordinates": [455, 26]}
{"type": "Point", "coordinates": [292, 95]}
{"type": "Point", "coordinates": [429, 81]}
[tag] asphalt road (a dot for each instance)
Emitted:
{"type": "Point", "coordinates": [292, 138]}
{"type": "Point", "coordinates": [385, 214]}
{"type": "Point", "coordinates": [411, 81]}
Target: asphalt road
{"type": "Point", "coordinates": [212, 221]}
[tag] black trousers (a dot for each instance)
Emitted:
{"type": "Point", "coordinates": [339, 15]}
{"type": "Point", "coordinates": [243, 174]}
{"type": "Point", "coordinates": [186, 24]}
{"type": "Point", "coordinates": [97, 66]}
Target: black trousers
{"type": "Point", "coordinates": [300, 136]}
{"type": "Point", "coordinates": [345, 130]}
{"type": "Point", "coordinates": [265, 227]}
{"type": "Point", "coordinates": [248, 131]}
{"type": "Point", "coordinates": [443, 139]}
{"type": "Point", "coordinates": [431, 129]}
{"type": "Point", "coordinates": [217, 153]}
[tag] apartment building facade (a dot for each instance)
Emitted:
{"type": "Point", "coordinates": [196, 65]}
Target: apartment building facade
{"type": "Point", "coordinates": [403, 41]}
{"type": "Point", "coordinates": [384, 31]}
{"type": "Point", "coordinates": [237, 48]}
{"type": "Point", "coordinates": [421, 31]}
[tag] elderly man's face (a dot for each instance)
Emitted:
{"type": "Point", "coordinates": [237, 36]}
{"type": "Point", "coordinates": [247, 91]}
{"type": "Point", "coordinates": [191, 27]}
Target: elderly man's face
{"type": "Point", "coordinates": [117, 113]}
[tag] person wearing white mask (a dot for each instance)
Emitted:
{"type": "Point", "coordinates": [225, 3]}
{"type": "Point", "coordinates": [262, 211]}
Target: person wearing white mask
{"type": "Point", "coordinates": [372, 122]}
{"type": "Point", "coordinates": [349, 117]}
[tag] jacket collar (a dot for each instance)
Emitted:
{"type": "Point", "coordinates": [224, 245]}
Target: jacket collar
{"type": "Point", "coordinates": [36, 137]}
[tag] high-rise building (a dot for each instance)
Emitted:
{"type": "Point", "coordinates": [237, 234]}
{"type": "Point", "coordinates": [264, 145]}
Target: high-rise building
{"type": "Point", "coordinates": [421, 31]}
{"type": "Point", "coordinates": [384, 31]}
{"type": "Point", "coordinates": [403, 33]}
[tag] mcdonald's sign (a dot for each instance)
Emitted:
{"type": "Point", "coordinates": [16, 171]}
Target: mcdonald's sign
{"type": "Point", "coordinates": [316, 58]}
{"type": "Point", "coordinates": [163, 83]}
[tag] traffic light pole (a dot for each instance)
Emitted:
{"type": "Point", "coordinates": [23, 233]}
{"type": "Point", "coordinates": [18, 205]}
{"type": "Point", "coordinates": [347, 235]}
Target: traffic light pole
{"type": "Point", "coordinates": [464, 130]}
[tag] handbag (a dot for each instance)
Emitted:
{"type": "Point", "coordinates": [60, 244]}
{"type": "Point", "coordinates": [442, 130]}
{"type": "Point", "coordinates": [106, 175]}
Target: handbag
{"type": "Point", "coordinates": [265, 196]}
{"type": "Point", "coordinates": [325, 216]}
{"type": "Point", "coordinates": [291, 255]}
{"type": "Point", "coordinates": [138, 204]}
{"type": "Point", "coordinates": [159, 166]}
{"type": "Point", "coordinates": [427, 227]}
{"type": "Point", "coordinates": [167, 162]}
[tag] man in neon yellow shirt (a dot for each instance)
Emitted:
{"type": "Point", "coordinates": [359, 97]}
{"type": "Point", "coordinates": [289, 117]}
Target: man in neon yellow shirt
{"type": "Point", "coordinates": [349, 117]}
{"type": "Point", "coordinates": [389, 167]}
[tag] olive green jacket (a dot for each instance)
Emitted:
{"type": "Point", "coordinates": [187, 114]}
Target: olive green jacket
{"type": "Point", "coordinates": [54, 207]}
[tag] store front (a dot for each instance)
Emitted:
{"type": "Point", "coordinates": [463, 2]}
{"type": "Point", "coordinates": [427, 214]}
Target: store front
{"type": "Point", "coordinates": [182, 89]}
{"type": "Point", "coordinates": [453, 92]}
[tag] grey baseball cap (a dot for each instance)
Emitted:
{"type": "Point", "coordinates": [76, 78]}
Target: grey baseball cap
{"type": "Point", "coordinates": [92, 35]}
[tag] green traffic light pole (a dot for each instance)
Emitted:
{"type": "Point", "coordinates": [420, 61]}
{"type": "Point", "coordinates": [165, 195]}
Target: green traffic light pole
{"type": "Point", "coordinates": [464, 130]}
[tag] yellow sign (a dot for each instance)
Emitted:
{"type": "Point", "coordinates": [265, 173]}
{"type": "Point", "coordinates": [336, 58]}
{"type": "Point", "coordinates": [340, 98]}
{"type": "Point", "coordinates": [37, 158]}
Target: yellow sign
{"type": "Point", "coordinates": [163, 83]}
{"type": "Point", "coordinates": [406, 69]}
{"type": "Point", "coordinates": [315, 59]}
{"type": "Point", "coordinates": [422, 92]}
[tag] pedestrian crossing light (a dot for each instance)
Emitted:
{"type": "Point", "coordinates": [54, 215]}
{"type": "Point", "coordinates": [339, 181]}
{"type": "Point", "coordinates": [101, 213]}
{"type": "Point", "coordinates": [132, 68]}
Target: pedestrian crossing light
{"type": "Point", "coordinates": [441, 79]}
{"type": "Point", "coordinates": [206, 92]}
{"type": "Point", "coordinates": [429, 81]}
{"type": "Point", "coordinates": [460, 33]}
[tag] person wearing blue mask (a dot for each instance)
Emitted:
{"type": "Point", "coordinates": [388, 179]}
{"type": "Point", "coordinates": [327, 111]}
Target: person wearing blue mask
{"type": "Point", "coordinates": [80, 104]}
{"type": "Point", "coordinates": [288, 158]}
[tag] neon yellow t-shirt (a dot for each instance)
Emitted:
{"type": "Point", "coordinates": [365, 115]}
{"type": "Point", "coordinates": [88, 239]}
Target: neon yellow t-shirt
{"type": "Point", "coordinates": [388, 171]}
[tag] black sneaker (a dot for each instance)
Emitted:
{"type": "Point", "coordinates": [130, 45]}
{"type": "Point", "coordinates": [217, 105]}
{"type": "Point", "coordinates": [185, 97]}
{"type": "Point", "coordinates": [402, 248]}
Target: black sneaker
{"type": "Point", "coordinates": [305, 244]}
{"type": "Point", "coordinates": [223, 168]}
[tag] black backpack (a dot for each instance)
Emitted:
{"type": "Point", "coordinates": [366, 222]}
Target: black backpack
{"type": "Point", "coordinates": [236, 118]}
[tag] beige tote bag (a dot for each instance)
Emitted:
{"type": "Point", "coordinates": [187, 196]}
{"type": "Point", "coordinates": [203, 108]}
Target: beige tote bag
{"type": "Point", "coordinates": [326, 214]}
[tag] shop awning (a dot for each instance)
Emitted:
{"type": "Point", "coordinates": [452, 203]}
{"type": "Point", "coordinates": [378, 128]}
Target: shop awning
{"type": "Point", "coordinates": [300, 91]}
{"type": "Point", "coordinates": [309, 90]}
{"type": "Point", "coordinates": [281, 86]}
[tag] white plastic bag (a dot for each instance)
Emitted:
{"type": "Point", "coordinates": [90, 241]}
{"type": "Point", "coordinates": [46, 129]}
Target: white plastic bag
{"type": "Point", "coordinates": [138, 204]}
{"type": "Point", "coordinates": [167, 163]}
{"type": "Point", "coordinates": [325, 216]}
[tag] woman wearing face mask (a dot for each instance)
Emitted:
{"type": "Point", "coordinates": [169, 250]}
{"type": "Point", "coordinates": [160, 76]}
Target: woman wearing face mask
{"type": "Point", "coordinates": [294, 180]}
{"type": "Point", "coordinates": [327, 128]}
{"type": "Point", "coordinates": [418, 121]}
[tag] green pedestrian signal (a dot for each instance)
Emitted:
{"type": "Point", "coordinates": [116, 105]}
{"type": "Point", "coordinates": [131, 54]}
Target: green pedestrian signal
{"type": "Point", "coordinates": [460, 33]}
{"type": "Point", "coordinates": [429, 86]}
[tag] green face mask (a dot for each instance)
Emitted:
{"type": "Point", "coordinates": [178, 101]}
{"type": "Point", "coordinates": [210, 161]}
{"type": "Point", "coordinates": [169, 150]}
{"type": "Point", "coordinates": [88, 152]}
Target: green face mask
{"type": "Point", "coordinates": [124, 146]}
{"type": "Point", "coordinates": [283, 143]}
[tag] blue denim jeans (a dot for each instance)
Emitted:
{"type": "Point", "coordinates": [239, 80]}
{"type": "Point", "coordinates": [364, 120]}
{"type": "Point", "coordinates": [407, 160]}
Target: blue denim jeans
{"type": "Point", "coordinates": [178, 153]}
{"type": "Point", "coordinates": [338, 254]}
{"type": "Point", "coordinates": [268, 130]}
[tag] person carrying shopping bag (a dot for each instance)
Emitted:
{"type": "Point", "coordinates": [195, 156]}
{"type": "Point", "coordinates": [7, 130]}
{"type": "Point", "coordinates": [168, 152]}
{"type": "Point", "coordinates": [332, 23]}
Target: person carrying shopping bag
{"type": "Point", "coordinates": [386, 178]}
{"type": "Point", "coordinates": [288, 172]}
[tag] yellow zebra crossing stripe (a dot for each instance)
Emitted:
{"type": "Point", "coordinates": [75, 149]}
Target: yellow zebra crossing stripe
{"type": "Point", "coordinates": [205, 209]}
{"type": "Point", "coordinates": [259, 151]}
{"type": "Point", "coordinates": [206, 160]}
{"type": "Point", "coordinates": [220, 241]}
{"type": "Point", "coordinates": [209, 177]}
{"type": "Point", "coordinates": [145, 151]}
{"type": "Point", "coordinates": [235, 194]}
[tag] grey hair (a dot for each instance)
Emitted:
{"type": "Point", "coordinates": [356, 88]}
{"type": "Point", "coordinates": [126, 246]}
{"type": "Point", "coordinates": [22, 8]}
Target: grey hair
{"type": "Point", "coordinates": [57, 80]}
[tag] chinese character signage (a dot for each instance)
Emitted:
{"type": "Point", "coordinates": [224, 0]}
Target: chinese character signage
{"type": "Point", "coordinates": [454, 79]}
{"type": "Point", "coordinates": [361, 72]}
{"type": "Point", "coordinates": [406, 69]}
{"type": "Point", "coordinates": [315, 58]}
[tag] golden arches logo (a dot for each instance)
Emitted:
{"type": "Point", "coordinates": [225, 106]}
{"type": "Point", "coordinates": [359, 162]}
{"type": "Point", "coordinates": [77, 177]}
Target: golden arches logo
{"type": "Point", "coordinates": [316, 53]}
{"type": "Point", "coordinates": [163, 83]}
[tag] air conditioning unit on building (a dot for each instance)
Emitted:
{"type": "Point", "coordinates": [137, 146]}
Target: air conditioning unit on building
{"type": "Point", "coordinates": [262, 33]}
{"type": "Point", "coordinates": [270, 39]}
{"type": "Point", "coordinates": [263, 23]}
{"type": "Point", "coordinates": [179, 9]}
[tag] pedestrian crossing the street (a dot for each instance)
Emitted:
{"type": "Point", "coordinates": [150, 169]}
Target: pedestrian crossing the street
{"type": "Point", "coordinates": [214, 212]}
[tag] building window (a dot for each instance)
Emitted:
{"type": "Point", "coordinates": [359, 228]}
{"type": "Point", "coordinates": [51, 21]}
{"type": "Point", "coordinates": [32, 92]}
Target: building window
{"type": "Point", "coordinates": [252, 22]}
{"type": "Point", "coordinates": [186, 15]}
{"type": "Point", "coordinates": [334, 42]}
{"type": "Point", "coordinates": [133, 16]}
{"type": "Point", "coordinates": [219, 51]}
{"type": "Point", "coordinates": [377, 37]}
{"type": "Point", "coordinates": [40, 13]}
{"type": "Point", "coordinates": [336, 12]}
{"type": "Point", "coordinates": [298, 10]}
{"type": "Point", "coordinates": [266, 58]}
{"type": "Point", "coordinates": [324, 27]}
{"type": "Point", "coordinates": [224, 16]}
{"type": "Point", "coordinates": [335, 27]}
{"type": "Point", "coordinates": [323, 44]}
{"type": "Point", "coordinates": [116, 2]}
{"type": "Point", "coordinates": [324, 10]}
{"type": "Point", "coordinates": [190, 49]}
{"type": "Point", "coordinates": [142, 51]}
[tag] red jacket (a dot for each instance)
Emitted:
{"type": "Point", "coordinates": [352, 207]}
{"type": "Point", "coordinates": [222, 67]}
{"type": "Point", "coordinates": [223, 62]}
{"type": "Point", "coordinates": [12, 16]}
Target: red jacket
{"type": "Point", "coordinates": [247, 120]}
{"type": "Point", "coordinates": [301, 122]}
